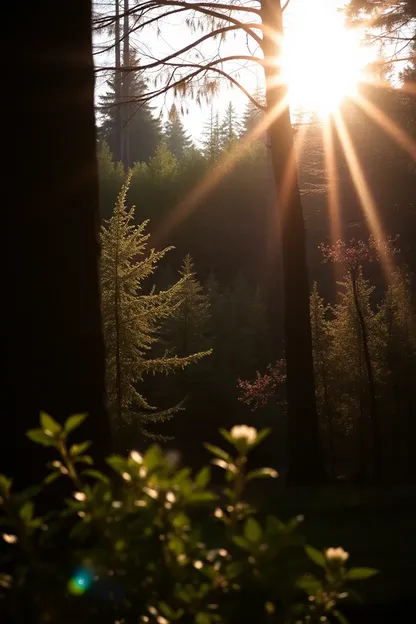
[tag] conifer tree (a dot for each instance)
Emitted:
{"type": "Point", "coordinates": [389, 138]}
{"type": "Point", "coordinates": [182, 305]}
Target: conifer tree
{"type": "Point", "coordinates": [143, 128]}
{"type": "Point", "coordinates": [252, 114]}
{"type": "Point", "coordinates": [230, 127]}
{"type": "Point", "coordinates": [321, 358]}
{"type": "Point", "coordinates": [211, 137]}
{"type": "Point", "coordinates": [177, 140]}
{"type": "Point", "coordinates": [133, 317]}
{"type": "Point", "coordinates": [111, 176]}
{"type": "Point", "coordinates": [188, 326]}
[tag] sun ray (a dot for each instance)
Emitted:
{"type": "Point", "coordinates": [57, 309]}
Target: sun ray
{"type": "Point", "coordinates": [367, 201]}
{"type": "Point", "coordinates": [182, 210]}
{"type": "Point", "coordinates": [393, 129]}
{"type": "Point", "coordinates": [333, 190]}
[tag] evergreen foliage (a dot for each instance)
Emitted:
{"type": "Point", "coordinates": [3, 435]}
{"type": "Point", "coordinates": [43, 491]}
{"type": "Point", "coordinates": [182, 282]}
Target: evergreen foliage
{"type": "Point", "coordinates": [133, 316]}
{"type": "Point", "coordinates": [177, 140]}
{"type": "Point", "coordinates": [211, 137]}
{"type": "Point", "coordinates": [143, 128]}
{"type": "Point", "coordinates": [230, 128]}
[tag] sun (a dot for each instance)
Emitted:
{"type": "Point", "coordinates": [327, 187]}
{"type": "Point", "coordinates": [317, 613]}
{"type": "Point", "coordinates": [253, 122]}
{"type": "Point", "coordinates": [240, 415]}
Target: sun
{"type": "Point", "coordinates": [322, 61]}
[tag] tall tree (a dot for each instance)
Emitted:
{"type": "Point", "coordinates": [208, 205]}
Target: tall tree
{"type": "Point", "coordinates": [141, 129]}
{"type": "Point", "coordinates": [230, 127]}
{"type": "Point", "coordinates": [177, 140]}
{"type": "Point", "coordinates": [195, 77]}
{"type": "Point", "coordinates": [133, 317]}
{"type": "Point", "coordinates": [211, 136]}
{"type": "Point", "coordinates": [54, 344]}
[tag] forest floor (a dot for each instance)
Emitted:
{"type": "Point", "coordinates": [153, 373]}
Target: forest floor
{"type": "Point", "coordinates": [378, 528]}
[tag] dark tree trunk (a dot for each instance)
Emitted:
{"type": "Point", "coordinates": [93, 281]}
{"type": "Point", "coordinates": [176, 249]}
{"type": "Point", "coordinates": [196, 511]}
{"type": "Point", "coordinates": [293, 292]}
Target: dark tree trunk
{"type": "Point", "coordinates": [304, 449]}
{"type": "Point", "coordinates": [374, 423]}
{"type": "Point", "coordinates": [118, 130]}
{"type": "Point", "coordinates": [53, 336]}
{"type": "Point", "coordinates": [126, 88]}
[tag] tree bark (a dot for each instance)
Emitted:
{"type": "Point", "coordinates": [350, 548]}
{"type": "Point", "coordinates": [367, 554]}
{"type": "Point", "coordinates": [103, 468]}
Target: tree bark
{"type": "Point", "coordinates": [52, 333]}
{"type": "Point", "coordinates": [304, 448]}
{"type": "Point", "coordinates": [126, 88]}
{"type": "Point", "coordinates": [374, 424]}
{"type": "Point", "coordinates": [119, 147]}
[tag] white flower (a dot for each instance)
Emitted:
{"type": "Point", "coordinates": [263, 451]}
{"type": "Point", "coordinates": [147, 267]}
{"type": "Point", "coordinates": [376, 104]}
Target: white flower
{"type": "Point", "coordinates": [198, 564]}
{"type": "Point", "coordinates": [168, 505]}
{"type": "Point", "coordinates": [143, 472]}
{"type": "Point", "coordinates": [80, 496]}
{"type": "Point", "coordinates": [222, 552]}
{"type": "Point", "coordinates": [153, 610]}
{"type": "Point", "coordinates": [56, 464]}
{"type": "Point", "coordinates": [126, 476]}
{"type": "Point", "coordinates": [136, 457]}
{"type": "Point", "coordinates": [218, 513]}
{"type": "Point", "coordinates": [162, 620]}
{"type": "Point", "coordinates": [144, 618]}
{"type": "Point", "coordinates": [10, 539]}
{"type": "Point", "coordinates": [81, 514]}
{"type": "Point", "coordinates": [336, 554]}
{"type": "Point", "coordinates": [116, 504]}
{"type": "Point", "coordinates": [239, 432]}
{"type": "Point", "coordinates": [170, 496]}
{"type": "Point", "coordinates": [181, 558]}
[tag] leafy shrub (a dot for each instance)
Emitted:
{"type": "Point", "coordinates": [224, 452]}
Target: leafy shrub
{"type": "Point", "coordinates": [155, 544]}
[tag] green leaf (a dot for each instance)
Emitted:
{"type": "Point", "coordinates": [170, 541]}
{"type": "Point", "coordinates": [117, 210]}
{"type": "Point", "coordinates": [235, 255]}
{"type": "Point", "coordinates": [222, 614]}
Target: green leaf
{"type": "Point", "coordinates": [203, 477]}
{"type": "Point", "coordinates": [216, 450]}
{"type": "Point", "coordinates": [260, 437]}
{"type": "Point", "coordinates": [26, 511]}
{"type": "Point", "coordinates": [241, 542]}
{"type": "Point", "coordinates": [117, 463]}
{"type": "Point", "coordinates": [153, 457]}
{"type": "Point", "coordinates": [77, 449]}
{"type": "Point", "coordinates": [51, 477]}
{"type": "Point", "coordinates": [84, 459]}
{"type": "Point", "coordinates": [201, 497]}
{"type": "Point", "coordinates": [274, 525]}
{"type": "Point", "coordinates": [73, 422]}
{"type": "Point", "coordinates": [38, 436]}
{"type": "Point", "coordinates": [340, 617]}
{"type": "Point", "coordinates": [252, 530]}
{"type": "Point", "coordinates": [5, 485]}
{"type": "Point", "coordinates": [49, 424]}
{"type": "Point", "coordinates": [262, 473]}
{"type": "Point", "coordinates": [309, 583]}
{"type": "Point", "coordinates": [96, 474]}
{"type": "Point", "coordinates": [360, 574]}
{"type": "Point", "coordinates": [167, 610]}
{"type": "Point", "coordinates": [315, 555]}
{"type": "Point", "coordinates": [203, 618]}
{"type": "Point", "coordinates": [227, 436]}
{"type": "Point", "coordinates": [235, 569]}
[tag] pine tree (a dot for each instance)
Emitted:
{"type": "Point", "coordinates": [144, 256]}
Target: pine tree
{"type": "Point", "coordinates": [230, 128]}
{"type": "Point", "coordinates": [111, 177]}
{"type": "Point", "coordinates": [188, 326]}
{"type": "Point", "coordinates": [144, 130]}
{"type": "Point", "coordinates": [133, 318]}
{"type": "Point", "coordinates": [321, 358]}
{"type": "Point", "coordinates": [211, 137]}
{"type": "Point", "coordinates": [177, 140]}
{"type": "Point", "coordinates": [253, 115]}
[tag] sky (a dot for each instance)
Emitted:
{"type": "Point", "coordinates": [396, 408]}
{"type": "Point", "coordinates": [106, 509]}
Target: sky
{"type": "Point", "coordinates": [309, 34]}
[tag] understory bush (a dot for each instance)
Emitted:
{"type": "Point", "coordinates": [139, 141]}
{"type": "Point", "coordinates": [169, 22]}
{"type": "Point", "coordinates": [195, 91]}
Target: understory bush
{"type": "Point", "coordinates": [152, 543]}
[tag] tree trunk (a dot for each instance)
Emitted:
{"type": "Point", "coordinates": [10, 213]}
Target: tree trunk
{"type": "Point", "coordinates": [126, 88]}
{"type": "Point", "coordinates": [52, 333]}
{"type": "Point", "coordinates": [374, 424]}
{"type": "Point", "coordinates": [304, 448]}
{"type": "Point", "coordinates": [119, 150]}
